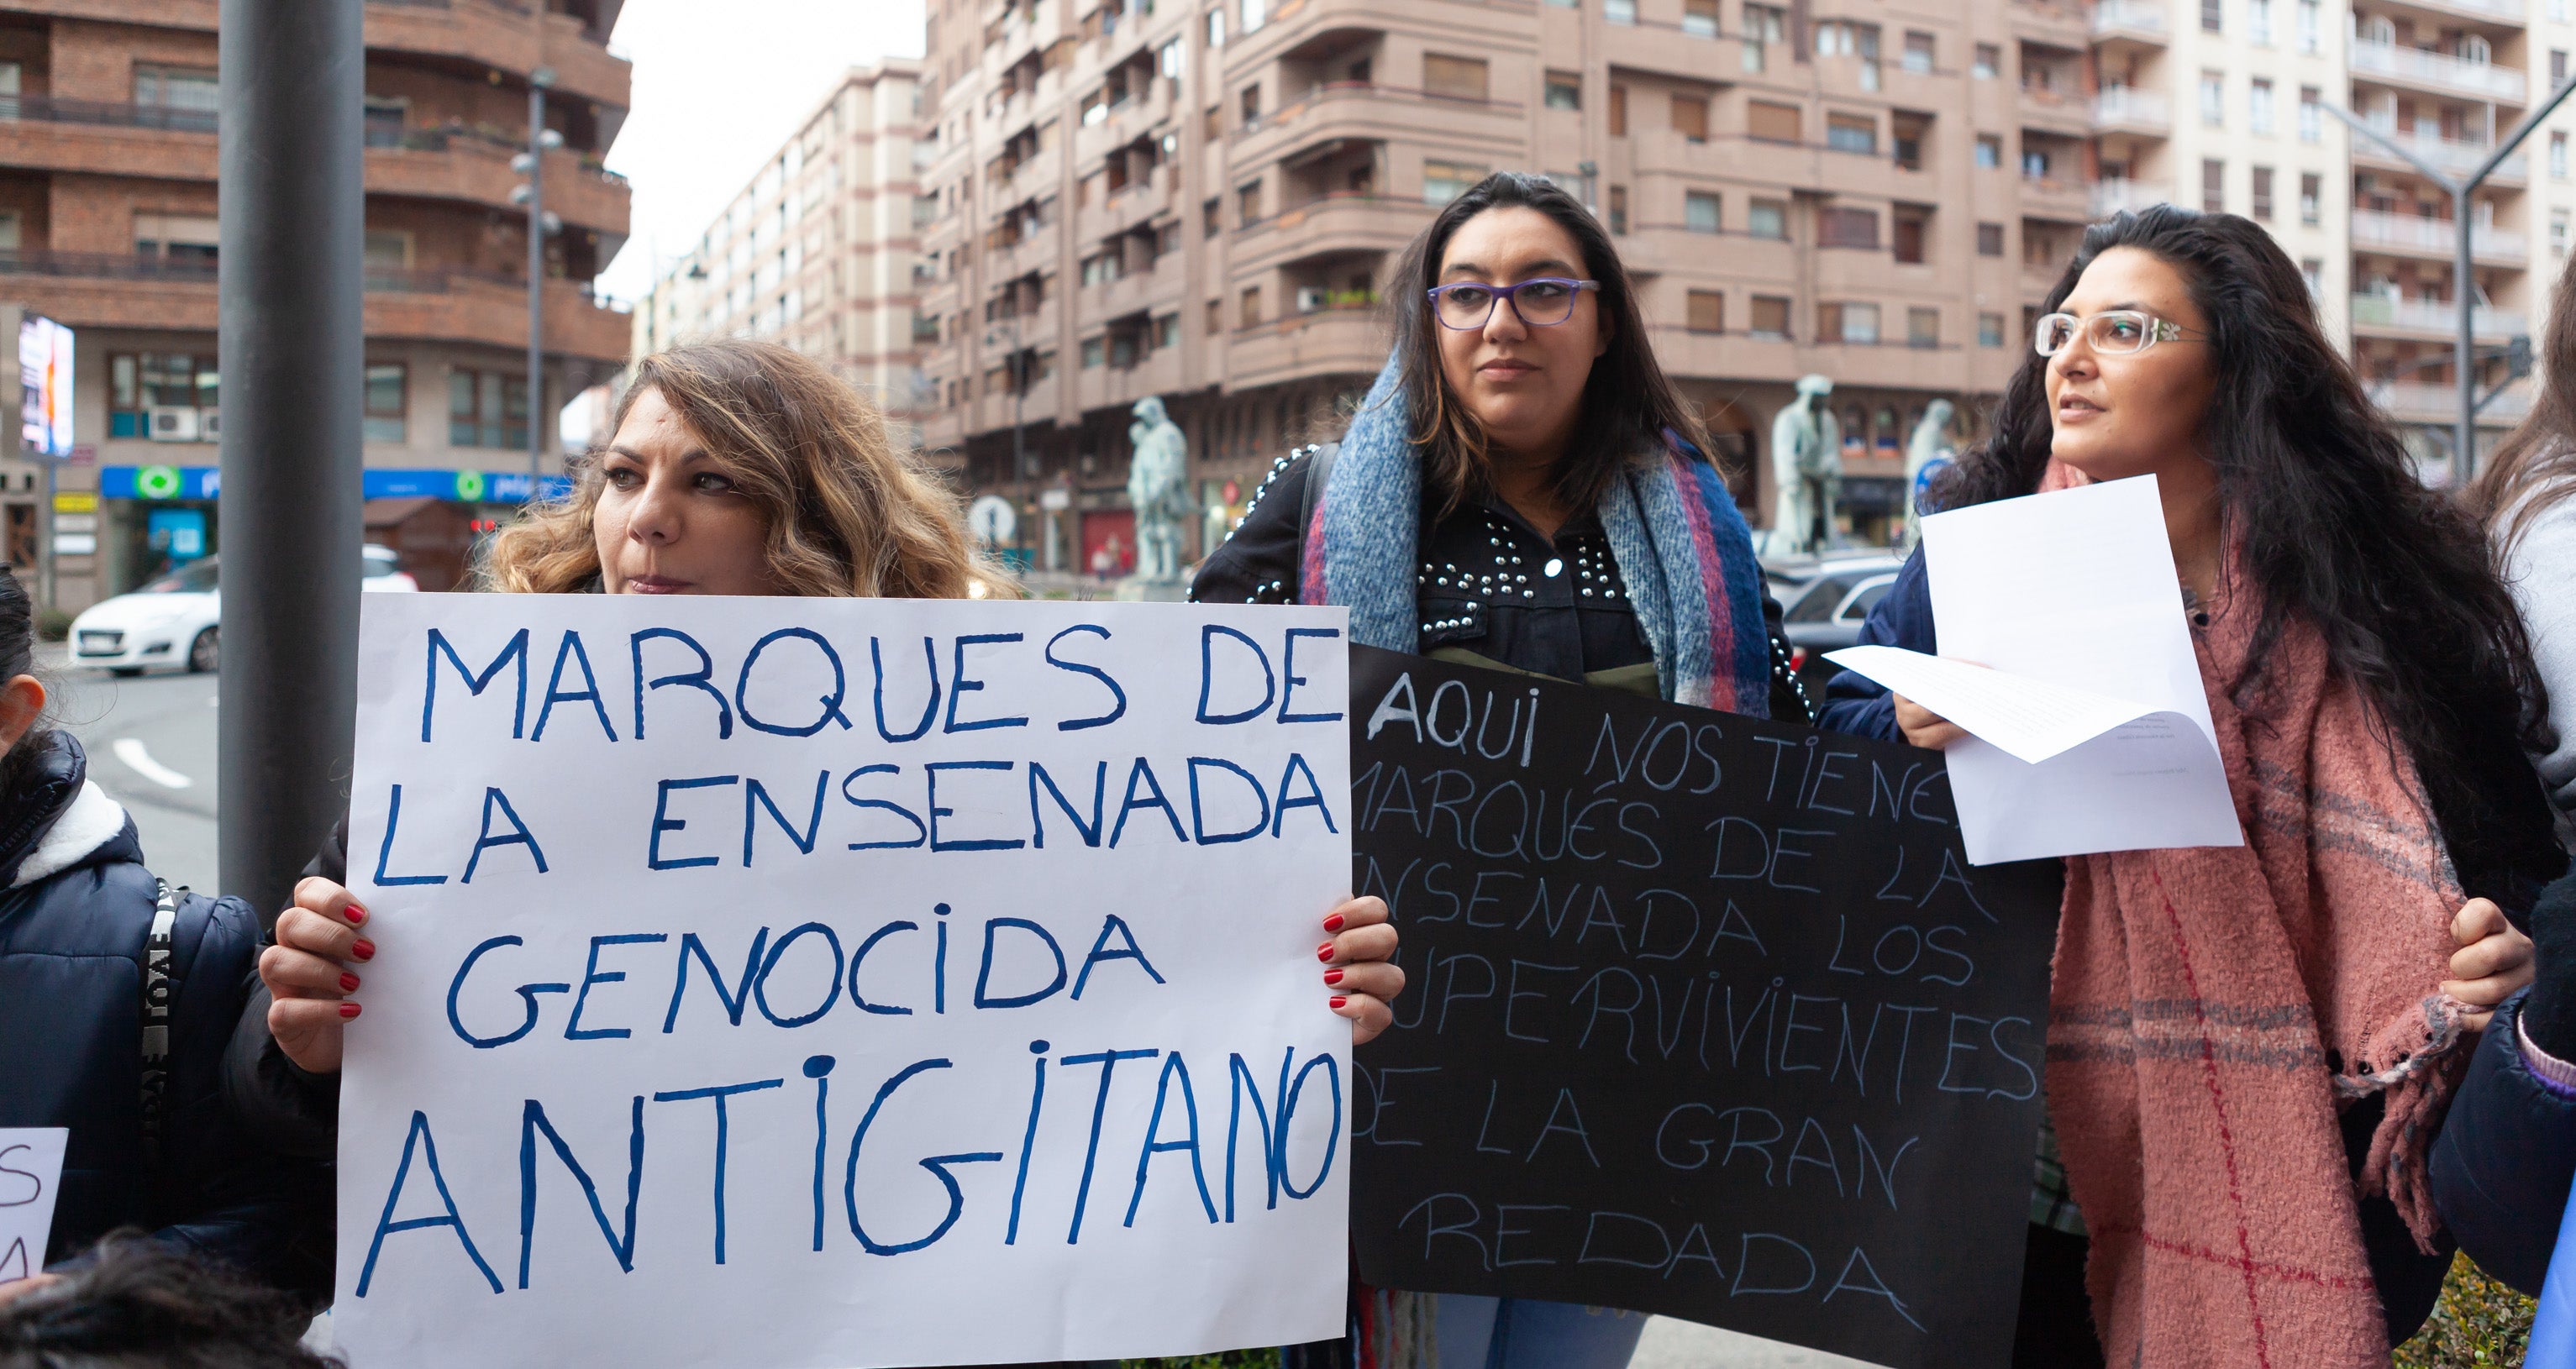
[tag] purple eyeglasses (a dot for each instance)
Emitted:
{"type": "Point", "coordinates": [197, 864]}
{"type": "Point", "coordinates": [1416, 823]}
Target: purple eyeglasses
{"type": "Point", "coordinates": [1540, 302]}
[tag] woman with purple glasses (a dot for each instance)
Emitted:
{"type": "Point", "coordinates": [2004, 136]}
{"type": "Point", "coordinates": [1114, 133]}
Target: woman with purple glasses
{"type": "Point", "coordinates": [1523, 491]}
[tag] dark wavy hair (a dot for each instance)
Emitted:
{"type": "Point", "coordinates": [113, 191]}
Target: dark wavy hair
{"type": "Point", "coordinates": [1628, 405]}
{"type": "Point", "coordinates": [2535, 466]}
{"type": "Point", "coordinates": [139, 1302]}
{"type": "Point", "coordinates": [2332, 521]}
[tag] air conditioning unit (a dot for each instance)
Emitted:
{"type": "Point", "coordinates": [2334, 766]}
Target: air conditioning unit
{"type": "Point", "coordinates": [1310, 299]}
{"type": "Point", "coordinates": [170, 424]}
{"type": "Point", "coordinates": [210, 424]}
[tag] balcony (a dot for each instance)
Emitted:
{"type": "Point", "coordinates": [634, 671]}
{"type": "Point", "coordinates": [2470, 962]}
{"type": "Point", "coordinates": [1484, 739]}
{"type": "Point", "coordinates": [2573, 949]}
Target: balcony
{"type": "Point", "coordinates": [2439, 318]}
{"type": "Point", "coordinates": [2414, 235]}
{"type": "Point", "coordinates": [499, 36]}
{"type": "Point", "coordinates": [2456, 159]}
{"type": "Point", "coordinates": [2136, 20]}
{"type": "Point", "coordinates": [2127, 109]}
{"type": "Point", "coordinates": [2053, 22]}
{"type": "Point", "coordinates": [2437, 71]}
{"type": "Point", "coordinates": [2124, 197]}
{"type": "Point", "coordinates": [1341, 222]}
{"type": "Point", "coordinates": [434, 165]}
{"type": "Point", "coordinates": [1156, 373]}
{"type": "Point", "coordinates": [1370, 112]}
{"type": "Point", "coordinates": [1326, 342]}
{"type": "Point", "coordinates": [2060, 112]}
{"type": "Point", "coordinates": [2048, 197]}
{"type": "Point", "coordinates": [2489, 11]}
{"type": "Point", "coordinates": [2415, 401]}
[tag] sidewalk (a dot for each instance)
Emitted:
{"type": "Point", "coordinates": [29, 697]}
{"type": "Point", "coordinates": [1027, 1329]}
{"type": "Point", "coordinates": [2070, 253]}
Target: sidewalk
{"type": "Point", "coordinates": [1673, 1344]}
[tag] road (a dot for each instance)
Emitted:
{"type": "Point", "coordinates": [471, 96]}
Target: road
{"type": "Point", "coordinates": [151, 744]}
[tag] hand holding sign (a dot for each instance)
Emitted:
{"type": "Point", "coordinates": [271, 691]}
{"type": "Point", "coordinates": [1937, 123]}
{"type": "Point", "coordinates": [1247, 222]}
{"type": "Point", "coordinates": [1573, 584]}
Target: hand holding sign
{"type": "Point", "coordinates": [31, 1171]}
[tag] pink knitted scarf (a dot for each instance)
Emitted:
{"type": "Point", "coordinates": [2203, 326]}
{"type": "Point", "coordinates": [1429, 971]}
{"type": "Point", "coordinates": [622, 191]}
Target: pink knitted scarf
{"type": "Point", "coordinates": [2212, 1008]}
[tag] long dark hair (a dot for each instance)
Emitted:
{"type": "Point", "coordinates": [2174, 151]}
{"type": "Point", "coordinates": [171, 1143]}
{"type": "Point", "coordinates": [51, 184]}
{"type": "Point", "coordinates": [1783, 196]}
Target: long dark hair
{"type": "Point", "coordinates": [2535, 466]}
{"type": "Point", "coordinates": [2330, 518]}
{"type": "Point", "coordinates": [1628, 405]}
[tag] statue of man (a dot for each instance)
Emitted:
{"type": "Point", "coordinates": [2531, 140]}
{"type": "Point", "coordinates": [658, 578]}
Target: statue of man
{"type": "Point", "coordinates": [1927, 454]}
{"type": "Point", "coordinates": [1158, 489]}
{"type": "Point", "coordinates": [1807, 465]}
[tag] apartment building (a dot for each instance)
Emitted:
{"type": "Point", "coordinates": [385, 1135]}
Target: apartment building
{"type": "Point", "coordinates": [108, 115]}
{"type": "Point", "coordinates": [820, 250]}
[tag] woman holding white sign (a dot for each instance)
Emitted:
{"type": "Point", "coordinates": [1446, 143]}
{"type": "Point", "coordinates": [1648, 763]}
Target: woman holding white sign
{"type": "Point", "coordinates": [1523, 490]}
{"type": "Point", "coordinates": [2250, 1047]}
{"type": "Point", "coordinates": [735, 468]}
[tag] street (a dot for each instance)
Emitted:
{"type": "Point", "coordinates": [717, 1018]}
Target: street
{"type": "Point", "coordinates": [151, 744]}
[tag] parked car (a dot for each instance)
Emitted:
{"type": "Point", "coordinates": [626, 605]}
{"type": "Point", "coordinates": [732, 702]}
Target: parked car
{"type": "Point", "coordinates": [1825, 612]}
{"type": "Point", "coordinates": [176, 620]}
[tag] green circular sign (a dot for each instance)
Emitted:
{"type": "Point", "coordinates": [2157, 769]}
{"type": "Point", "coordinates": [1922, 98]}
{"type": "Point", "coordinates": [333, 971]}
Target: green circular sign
{"type": "Point", "coordinates": [157, 482]}
{"type": "Point", "coordinates": [469, 486]}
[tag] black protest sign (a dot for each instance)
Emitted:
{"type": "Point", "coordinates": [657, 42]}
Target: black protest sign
{"type": "Point", "coordinates": [1705, 1016]}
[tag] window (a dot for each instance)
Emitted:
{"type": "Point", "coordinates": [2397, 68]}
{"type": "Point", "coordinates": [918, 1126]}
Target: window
{"type": "Point", "coordinates": [2213, 185]}
{"type": "Point", "coordinates": [1248, 311]}
{"type": "Point", "coordinates": [1767, 219]}
{"type": "Point", "coordinates": [388, 402]}
{"type": "Point", "coordinates": [487, 409]}
{"type": "Point", "coordinates": [1618, 111]}
{"type": "Point", "coordinates": [1211, 218]}
{"type": "Point", "coordinates": [1446, 181]}
{"type": "Point", "coordinates": [1918, 52]}
{"type": "Point", "coordinates": [1847, 228]}
{"type": "Point", "coordinates": [2557, 67]}
{"type": "Point", "coordinates": [1990, 150]}
{"type": "Point", "coordinates": [1619, 11]}
{"type": "Point", "coordinates": [2262, 193]}
{"type": "Point", "coordinates": [2558, 232]}
{"type": "Point", "coordinates": [1255, 13]}
{"type": "Point", "coordinates": [1771, 317]}
{"type": "Point", "coordinates": [2258, 22]}
{"type": "Point", "coordinates": [1989, 58]}
{"type": "Point", "coordinates": [1247, 204]}
{"type": "Point", "coordinates": [1699, 18]}
{"type": "Point", "coordinates": [2212, 16]}
{"type": "Point", "coordinates": [177, 238]}
{"type": "Point", "coordinates": [1618, 209]}
{"type": "Point", "coordinates": [2312, 126]}
{"type": "Point", "coordinates": [2311, 190]}
{"type": "Point", "coordinates": [384, 121]}
{"type": "Point", "coordinates": [1564, 90]}
{"type": "Point", "coordinates": [2313, 271]}
{"type": "Point", "coordinates": [1764, 28]}
{"type": "Point", "coordinates": [1453, 78]}
{"type": "Point", "coordinates": [1215, 317]}
{"type": "Point", "coordinates": [2213, 98]}
{"type": "Point", "coordinates": [1852, 133]}
{"type": "Point", "coordinates": [2258, 108]}
{"type": "Point", "coordinates": [1923, 328]}
{"type": "Point", "coordinates": [1990, 240]}
{"type": "Point", "coordinates": [2034, 164]}
{"type": "Point", "coordinates": [385, 250]}
{"type": "Point", "coordinates": [1212, 124]}
{"type": "Point", "coordinates": [141, 382]}
{"type": "Point", "coordinates": [1707, 311]}
{"type": "Point", "coordinates": [1912, 232]}
{"type": "Point", "coordinates": [178, 88]}
{"type": "Point", "coordinates": [1700, 211]}
{"type": "Point", "coordinates": [1216, 28]}
{"type": "Point", "coordinates": [1094, 352]}
{"type": "Point", "coordinates": [1855, 323]}
{"type": "Point", "coordinates": [1990, 330]}
{"type": "Point", "coordinates": [1250, 103]}
{"type": "Point", "coordinates": [1690, 117]}
{"type": "Point", "coordinates": [2311, 26]}
{"type": "Point", "coordinates": [1770, 123]}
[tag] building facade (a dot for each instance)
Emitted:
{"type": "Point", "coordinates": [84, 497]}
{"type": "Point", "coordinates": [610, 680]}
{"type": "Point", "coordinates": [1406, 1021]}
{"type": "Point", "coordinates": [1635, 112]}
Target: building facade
{"type": "Point", "coordinates": [1202, 200]}
{"type": "Point", "coordinates": [107, 225]}
{"type": "Point", "coordinates": [820, 251]}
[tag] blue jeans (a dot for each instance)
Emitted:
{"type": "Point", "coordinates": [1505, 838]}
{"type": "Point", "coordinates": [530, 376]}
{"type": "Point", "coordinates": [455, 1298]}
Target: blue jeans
{"type": "Point", "coordinates": [1523, 1333]}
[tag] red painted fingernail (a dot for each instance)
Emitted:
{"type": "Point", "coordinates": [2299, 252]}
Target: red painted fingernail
{"type": "Point", "coordinates": [348, 982]}
{"type": "Point", "coordinates": [1324, 952]}
{"type": "Point", "coordinates": [1338, 1001]}
{"type": "Point", "coordinates": [364, 950]}
{"type": "Point", "coordinates": [349, 1010]}
{"type": "Point", "coordinates": [1330, 977]}
{"type": "Point", "coordinates": [1333, 923]}
{"type": "Point", "coordinates": [357, 915]}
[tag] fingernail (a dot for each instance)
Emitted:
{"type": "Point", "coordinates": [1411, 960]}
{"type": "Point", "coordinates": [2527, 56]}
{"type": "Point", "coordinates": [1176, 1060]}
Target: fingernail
{"type": "Point", "coordinates": [349, 1010]}
{"type": "Point", "coordinates": [1324, 952]}
{"type": "Point", "coordinates": [364, 950]}
{"type": "Point", "coordinates": [357, 915]}
{"type": "Point", "coordinates": [1330, 977]}
{"type": "Point", "coordinates": [348, 982]}
{"type": "Point", "coordinates": [1338, 1001]}
{"type": "Point", "coordinates": [1333, 923]}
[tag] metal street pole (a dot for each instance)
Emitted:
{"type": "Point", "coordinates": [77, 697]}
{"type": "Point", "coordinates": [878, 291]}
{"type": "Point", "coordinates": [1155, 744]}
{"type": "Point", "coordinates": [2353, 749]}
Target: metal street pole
{"type": "Point", "coordinates": [538, 80]}
{"type": "Point", "coordinates": [2463, 281]}
{"type": "Point", "coordinates": [291, 333]}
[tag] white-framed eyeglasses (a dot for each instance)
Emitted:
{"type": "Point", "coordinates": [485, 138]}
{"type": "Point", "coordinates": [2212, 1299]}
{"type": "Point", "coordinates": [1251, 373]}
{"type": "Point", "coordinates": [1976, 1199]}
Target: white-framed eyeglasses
{"type": "Point", "coordinates": [2113, 332]}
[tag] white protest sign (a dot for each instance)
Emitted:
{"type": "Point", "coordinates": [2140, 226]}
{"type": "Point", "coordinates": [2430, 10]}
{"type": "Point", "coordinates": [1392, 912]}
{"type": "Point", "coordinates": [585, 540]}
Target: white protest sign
{"type": "Point", "coordinates": [834, 982]}
{"type": "Point", "coordinates": [31, 1173]}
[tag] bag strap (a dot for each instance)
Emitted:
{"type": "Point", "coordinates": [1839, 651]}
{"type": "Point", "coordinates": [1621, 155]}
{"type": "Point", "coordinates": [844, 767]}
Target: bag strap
{"type": "Point", "coordinates": [1319, 471]}
{"type": "Point", "coordinates": [158, 990]}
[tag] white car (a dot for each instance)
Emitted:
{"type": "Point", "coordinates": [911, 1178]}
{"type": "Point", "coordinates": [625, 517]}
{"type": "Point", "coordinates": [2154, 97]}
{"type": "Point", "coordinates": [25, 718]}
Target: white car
{"type": "Point", "coordinates": [174, 621]}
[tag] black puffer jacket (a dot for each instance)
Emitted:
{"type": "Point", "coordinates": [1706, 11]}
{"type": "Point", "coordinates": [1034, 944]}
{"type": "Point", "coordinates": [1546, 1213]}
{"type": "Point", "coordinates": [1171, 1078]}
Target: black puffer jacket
{"type": "Point", "coordinates": [76, 913]}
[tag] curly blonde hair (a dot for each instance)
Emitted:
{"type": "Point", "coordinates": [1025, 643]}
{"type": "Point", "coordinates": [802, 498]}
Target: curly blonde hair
{"type": "Point", "coordinates": [846, 513]}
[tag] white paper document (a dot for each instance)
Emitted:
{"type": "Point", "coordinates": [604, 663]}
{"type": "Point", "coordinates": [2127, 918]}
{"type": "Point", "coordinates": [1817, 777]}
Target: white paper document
{"type": "Point", "coordinates": [31, 1170]}
{"type": "Point", "coordinates": [2088, 728]}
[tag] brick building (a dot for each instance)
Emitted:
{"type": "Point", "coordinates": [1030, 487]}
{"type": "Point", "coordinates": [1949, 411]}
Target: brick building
{"type": "Point", "coordinates": [107, 224]}
{"type": "Point", "coordinates": [1200, 199]}
{"type": "Point", "coordinates": [819, 251]}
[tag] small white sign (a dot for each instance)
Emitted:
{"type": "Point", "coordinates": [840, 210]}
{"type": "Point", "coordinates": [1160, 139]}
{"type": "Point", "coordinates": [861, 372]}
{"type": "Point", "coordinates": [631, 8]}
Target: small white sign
{"type": "Point", "coordinates": [75, 522]}
{"type": "Point", "coordinates": [31, 1169]}
{"type": "Point", "coordinates": [76, 544]}
{"type": "Point", "coordinates": [1055, 500]}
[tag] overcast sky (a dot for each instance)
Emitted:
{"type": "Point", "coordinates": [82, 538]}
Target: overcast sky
{"type": "Point", "coordinates": [719, 85]}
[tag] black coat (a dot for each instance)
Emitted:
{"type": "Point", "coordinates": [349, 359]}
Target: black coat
{"type": "Point", "coordinates": [76, 910]}
{"type": "Point", "coordinates": [2502, 1165]}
